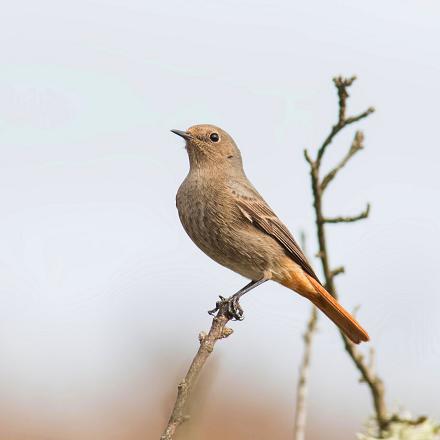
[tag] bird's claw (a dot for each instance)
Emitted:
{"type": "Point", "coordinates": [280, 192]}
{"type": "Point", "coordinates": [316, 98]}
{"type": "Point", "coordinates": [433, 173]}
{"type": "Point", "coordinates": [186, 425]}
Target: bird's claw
{"type": "Point", "coordinates": [217, 306]}
{"type": "Point", "coordinates": [234, 308]}
{"type": "Point", "coordinates": [232, 304]}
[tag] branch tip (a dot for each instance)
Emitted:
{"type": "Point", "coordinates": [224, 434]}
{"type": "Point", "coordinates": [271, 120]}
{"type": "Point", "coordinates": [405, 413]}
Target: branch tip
{"type": "Point", "coordinates": [363, 215]}
{"type": "Point", "coordinates": [341, 81]}
{"type": "Point", "coordinates": [307, 157]}
{"type": "Point", "coordinates": [337, 271]}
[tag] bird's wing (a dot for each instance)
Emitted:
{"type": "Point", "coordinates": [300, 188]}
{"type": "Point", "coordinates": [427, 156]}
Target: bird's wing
{"type": "Point", "coordinates": [258, 212]}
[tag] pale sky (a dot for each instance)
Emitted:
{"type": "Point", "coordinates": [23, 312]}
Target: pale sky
{"type": "Point", "coordinates": [99, 285]}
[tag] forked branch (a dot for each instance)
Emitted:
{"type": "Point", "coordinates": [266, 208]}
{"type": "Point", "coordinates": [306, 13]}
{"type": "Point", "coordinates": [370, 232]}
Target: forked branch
{"type": "Point", "coordinates": [365, 369]}
{"type": "Point", "coordinates": [341, 85]}
{"type": "Point", "coordinates": [356, 145]}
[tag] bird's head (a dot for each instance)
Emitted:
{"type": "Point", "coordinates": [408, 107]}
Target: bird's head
{"type": "Point", "coordinates": [208, 145]}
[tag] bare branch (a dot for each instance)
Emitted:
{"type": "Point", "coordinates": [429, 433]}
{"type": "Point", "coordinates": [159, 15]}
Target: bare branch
{"type": "Point", "coordinates": [342, 85]}
{"type": "Point", "coordinates": [337, 271]}
{"type": "Point", "coordinates": [302, 388]}
{"type": "Point", "coordinates": [356, 145]}
{"type": "Point", "coordinates": [308, 158]}
{"type": "Point", "coordinates": [364, 214]}
{"type": "Point", "coordinates": [374, 383]}
{"type": "Point", "coordinates": [418, 421]}
{"type": "Point", "coordinates": [368, 375]}
{"type": "Point", "coordinates": [328, 140]}
{"type": "Point", "coordinates": [360, 116]}
{"type": "Point", "coordinates": [299, 432]}
{"type": "Point", "coordinates": [217, 331]}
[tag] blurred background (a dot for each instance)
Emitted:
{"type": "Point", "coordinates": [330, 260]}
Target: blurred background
{"type": "Point", "coordinates": [102, 294]}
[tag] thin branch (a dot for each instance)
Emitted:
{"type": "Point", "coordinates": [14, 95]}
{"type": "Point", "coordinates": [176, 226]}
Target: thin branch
{"type": "Point", "coordinates": [342, 85]}
{"type": "Point", "coordinates": [217, 331]}
{"type": "Point", "coordinates": [304, 369]}
{"type": "Point", "coordinates": [360, 116]}
{"type": "Point", "coordinates": [396, 419]}
{"type": "Point", "coordinates": [356, 145]}
{"type": "Point", "coordinates": [337, 271]}
{"type": "Point", "coordinates": [308, 158]}
{"type": "Point", "coordinates": [375, 384]}
{"type": "Point", "coordinates": [372, 359]}
{"type": "Point", "coordinates": [368, 374]}
{"type": "Point", "coordinates": [364, 214]}
{"type": "Point", "coordinates": [302, 388]}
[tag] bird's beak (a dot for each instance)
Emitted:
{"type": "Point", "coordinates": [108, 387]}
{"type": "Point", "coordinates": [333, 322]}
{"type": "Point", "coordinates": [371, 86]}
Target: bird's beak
{"type": "Point", "coordinates": [183, 134]}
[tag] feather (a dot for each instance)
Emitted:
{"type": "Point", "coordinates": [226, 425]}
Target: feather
{"type": "Point", "coordinates": [257, 211]}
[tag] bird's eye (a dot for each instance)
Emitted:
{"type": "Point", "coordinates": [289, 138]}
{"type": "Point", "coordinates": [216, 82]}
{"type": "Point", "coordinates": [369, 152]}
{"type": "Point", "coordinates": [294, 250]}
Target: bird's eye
{"type": "Point", "coordinates": [214, 137]}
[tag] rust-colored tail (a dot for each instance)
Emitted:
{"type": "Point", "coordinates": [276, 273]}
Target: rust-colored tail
{"type": "Point", "coordinates": [344, 320]}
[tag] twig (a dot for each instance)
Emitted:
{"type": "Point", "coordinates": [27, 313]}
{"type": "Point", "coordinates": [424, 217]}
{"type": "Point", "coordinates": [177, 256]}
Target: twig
{"type": "Point", "coordinates": [337, 271]}
{"type": "Point", "coordinates": [302, 388]}
{"type": "Point", "coordinates": [368, 375]}
{"type": "Point", "coordinates": [355, 218]}
{"type": "Point", "coordinates": [356, 145]}
{"type": "Point", "coordinates": [299, 430]}
{"type": "Point", "coordinates": [419, 420]}
{"type": "Point", "coordinates": [217, 331]}
{"type": "Point", "coordinates": [341, 85]}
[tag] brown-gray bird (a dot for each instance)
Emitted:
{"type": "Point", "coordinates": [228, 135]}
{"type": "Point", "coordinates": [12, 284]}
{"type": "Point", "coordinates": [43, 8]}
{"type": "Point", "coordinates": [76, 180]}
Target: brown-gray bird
{"type": "Point", "coordinates": [230, 222]}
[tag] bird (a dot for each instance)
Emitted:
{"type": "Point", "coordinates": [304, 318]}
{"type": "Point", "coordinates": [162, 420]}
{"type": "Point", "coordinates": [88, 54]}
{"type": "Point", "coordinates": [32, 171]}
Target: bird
{"type": "Point", "coordinates": [228, 219]}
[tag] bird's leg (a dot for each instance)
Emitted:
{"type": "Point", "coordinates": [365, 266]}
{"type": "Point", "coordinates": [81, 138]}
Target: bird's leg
{"type": "Point", "coordinates": [234, 308]}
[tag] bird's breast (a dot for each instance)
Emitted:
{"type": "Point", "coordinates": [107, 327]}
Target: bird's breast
{"type": "Point", "coordinates": [211, 217]}
{"type": "Point", "coordinates": [206, 213]}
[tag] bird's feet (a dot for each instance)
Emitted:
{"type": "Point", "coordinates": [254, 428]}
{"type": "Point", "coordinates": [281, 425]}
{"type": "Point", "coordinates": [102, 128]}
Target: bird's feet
{"type": "Point", "coordinates": [231, 305]}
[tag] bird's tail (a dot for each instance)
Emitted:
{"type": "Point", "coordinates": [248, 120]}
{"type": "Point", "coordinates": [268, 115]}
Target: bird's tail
{"type": "Point", "coordinates": [344, 320]}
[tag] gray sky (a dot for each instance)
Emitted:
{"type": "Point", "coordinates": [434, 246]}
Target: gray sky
{"type": "Point", "coordinates": [99, 285]}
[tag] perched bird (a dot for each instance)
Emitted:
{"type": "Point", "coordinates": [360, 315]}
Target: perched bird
{"type": "Point", "coordinates": [228, 220]}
